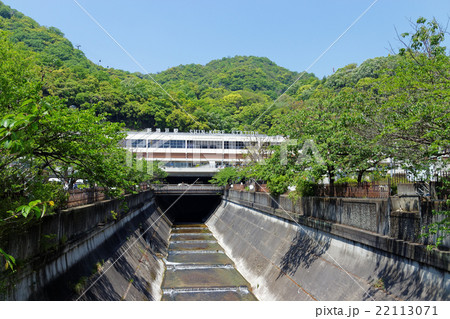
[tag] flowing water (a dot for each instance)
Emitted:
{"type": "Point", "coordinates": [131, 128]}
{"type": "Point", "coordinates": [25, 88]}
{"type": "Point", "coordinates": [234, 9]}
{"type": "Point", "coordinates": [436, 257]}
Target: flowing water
{"type": "Point", "coordinates": [198, 269]}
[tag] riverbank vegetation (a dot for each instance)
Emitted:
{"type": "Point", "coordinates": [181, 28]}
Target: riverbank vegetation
{"type": "Point", "coordinates": [363, 120]}
{"type": "Point", "coordinates": [41, 137]}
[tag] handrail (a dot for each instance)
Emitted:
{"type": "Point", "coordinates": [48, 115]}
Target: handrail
{"type": "Point", "coordinates": [178, 188]}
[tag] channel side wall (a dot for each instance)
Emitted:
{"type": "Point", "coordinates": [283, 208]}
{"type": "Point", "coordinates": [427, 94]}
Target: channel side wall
{"type": "Point", "coordinates": [303, 251]}
{"type": "Point", "coordinates": [65, 253]}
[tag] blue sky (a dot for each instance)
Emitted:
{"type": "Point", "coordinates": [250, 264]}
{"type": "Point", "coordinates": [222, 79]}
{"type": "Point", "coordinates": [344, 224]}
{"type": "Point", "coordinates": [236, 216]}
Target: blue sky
{"type": "Point", "coordinates": [161, 34]}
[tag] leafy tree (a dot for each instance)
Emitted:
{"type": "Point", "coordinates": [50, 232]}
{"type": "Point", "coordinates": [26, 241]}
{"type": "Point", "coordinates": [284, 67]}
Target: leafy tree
{"type": "Point", "coordinates": [408, 106]}
{"type": "Point", "coordinates": [226, 176]}
{"type": "Point", "coordinates": [388, 107]}
{"type": "Point", "coordinates": [40, 136]}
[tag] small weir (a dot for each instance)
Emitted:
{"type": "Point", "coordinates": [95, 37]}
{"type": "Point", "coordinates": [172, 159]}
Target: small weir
{"type": "Point", "coordinates": [197, 268]}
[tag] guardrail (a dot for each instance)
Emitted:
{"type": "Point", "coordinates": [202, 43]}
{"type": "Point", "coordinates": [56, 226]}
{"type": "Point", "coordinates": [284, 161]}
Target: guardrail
{"type": "Point", "coordinates": [84, 196]}
{"type": "Point", "coordinates": [188, 189]}
{"type": "Point", "coordinates": [365, 190]}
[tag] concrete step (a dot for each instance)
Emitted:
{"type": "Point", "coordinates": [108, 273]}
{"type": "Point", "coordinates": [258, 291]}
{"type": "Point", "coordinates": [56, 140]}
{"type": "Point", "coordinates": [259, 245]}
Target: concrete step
{"type": "Point", "coordinates": [193, 230]}
{"type": "Point", "coordinates": [190, 226]}
{"type": "Point", "coordinates": [177, 267]}
{"type": "Point", "coordinates": [192, 236]}
{"type": "Point", "coordinates": [195, 245]}
{"type": "Point", "coordinates": [203, 278]}
{"type": "Point", "coordinates": [200, 258]}
{"type": "Point", "coordinates": [209, 294]}
{"type": "Point", "coordinates": [197, 268]}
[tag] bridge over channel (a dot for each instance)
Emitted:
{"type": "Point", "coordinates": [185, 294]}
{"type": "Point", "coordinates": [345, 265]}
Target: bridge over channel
{"type": "Point", "coordinates": [186, 189]}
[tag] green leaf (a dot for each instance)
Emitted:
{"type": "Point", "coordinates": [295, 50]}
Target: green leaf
{"type": "Point", "coordinates": [37, 212]}
{"type": "Point", "coordinates": [44, 209]}
{"type": "Point", "coordinates": [35, 202]}
{"type": "Point", "coordinates": [25, 211]}
{"type": "Point", "coordinates": [7, 123]}
{"type": "Point", "coordinates": [10, 260]}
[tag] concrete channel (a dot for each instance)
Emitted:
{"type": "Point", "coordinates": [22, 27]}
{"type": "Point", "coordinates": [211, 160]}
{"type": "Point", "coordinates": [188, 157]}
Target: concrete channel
{"type": "Point", "coordinates": [232, 247]}
{"type": "Point", "coordinates": [197, 268]}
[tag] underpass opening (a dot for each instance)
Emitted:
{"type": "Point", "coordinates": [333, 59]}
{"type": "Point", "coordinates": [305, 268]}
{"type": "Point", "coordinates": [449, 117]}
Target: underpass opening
{"type": "Point", "coordinates": [195, 209]}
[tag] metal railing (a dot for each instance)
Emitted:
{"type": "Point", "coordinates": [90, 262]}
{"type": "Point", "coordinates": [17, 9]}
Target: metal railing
{"type": "Point", "coordinates": [364, 190]}
{"type": "Point", "coordinates": [84, 196]}
{"type": "Point", "coordinates": [189, 189]}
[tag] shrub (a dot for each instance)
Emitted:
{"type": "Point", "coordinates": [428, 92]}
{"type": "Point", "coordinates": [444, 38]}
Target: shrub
{"type": "Point", "coordinates": [346, 180]}
{"type": "Point", "coordinates": [278, 185]}
{"type": "Point", "coordinates": [305, 188]}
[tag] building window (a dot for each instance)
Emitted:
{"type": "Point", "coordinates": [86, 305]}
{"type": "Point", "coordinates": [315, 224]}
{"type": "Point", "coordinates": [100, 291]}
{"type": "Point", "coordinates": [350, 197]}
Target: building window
{"type": "Point", "coordinates": [154, 143]}
{"type": "Point", "coordinates": [177, 144]}
{"type": "Point", "coordinates": [137, 143]}
{"type": "Point", "coordinates": [166, 144]}
{"type": "Point", "coordinates": [215, 144]}
{"type": "Point", "coordinates": [205, 144]}
{"type": "Point", "coordinates": [238, 145]}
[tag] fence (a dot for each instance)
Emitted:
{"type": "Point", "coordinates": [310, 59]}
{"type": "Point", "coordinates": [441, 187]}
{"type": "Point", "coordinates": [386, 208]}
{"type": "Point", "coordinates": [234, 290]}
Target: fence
{"type": "Point", "coordinates": [364, 190]}
{"type": "Point", "coordinates": [78, 197]}
{"type": "Point", "coordinates": [84, 196]}
{"type": "Point", "coordinates": [167, 189]}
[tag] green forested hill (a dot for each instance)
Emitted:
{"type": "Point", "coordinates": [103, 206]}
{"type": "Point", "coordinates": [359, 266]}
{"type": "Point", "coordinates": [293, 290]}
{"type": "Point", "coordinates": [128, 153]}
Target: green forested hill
{"type": "Point", "coordinates": [224, 94]}
{"type": "Point", "coordinates": [251, 73]}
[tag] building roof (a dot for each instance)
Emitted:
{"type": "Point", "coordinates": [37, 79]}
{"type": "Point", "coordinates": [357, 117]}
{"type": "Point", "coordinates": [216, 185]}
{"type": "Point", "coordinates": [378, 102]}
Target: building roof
{"type": "Point", "coordinates": [202, 135]}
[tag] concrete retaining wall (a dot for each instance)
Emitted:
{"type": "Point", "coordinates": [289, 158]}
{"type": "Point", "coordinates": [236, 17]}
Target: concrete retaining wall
{"type": "Point", "coordinates": [294, 255]}
{"type": "Point", "coordinates": [63, 251]}
{"type": "Point", "coordinates": [401, 218]}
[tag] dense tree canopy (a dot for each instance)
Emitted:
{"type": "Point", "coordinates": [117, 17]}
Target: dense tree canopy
{"type": "Point", "coordinates": [395, 107]}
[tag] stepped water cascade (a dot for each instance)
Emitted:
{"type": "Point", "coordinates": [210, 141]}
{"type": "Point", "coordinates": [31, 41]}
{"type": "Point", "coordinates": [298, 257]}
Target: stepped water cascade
{"type": "Point", "coordinates": [197, 268]}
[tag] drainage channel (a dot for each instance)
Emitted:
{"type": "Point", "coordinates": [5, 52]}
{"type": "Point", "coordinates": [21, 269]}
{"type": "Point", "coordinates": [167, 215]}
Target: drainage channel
{"type": "Point", "coordinates": [198, 269]}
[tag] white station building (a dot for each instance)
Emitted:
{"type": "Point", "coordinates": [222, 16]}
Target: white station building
{"type": "Point", "coordinates": [198, 152]}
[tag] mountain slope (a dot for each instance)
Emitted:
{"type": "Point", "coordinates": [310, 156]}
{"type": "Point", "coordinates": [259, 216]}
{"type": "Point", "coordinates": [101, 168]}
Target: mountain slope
{"type": "Point", "coordinates": [257, 74]}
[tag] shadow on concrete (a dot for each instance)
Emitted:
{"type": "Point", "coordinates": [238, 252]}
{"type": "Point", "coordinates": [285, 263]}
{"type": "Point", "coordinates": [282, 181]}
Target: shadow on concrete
{"type": "Point", "coordinates": [103, 290]}
{"type": "Point", "coordinates": [154, 241]}
{"type": "Point", "coordinates": [113, 284]}
{"type": "Point", "coordinates": [304, 250]}
{"type": "Point", "coordinates": [407, 280]}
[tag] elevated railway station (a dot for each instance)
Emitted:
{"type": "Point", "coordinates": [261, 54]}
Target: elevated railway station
{"type": "Point", "coordinates": [198, 153]}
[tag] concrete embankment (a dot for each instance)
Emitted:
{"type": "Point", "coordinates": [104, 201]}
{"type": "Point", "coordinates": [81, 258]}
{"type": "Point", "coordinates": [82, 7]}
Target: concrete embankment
{"type": "Point", "coordinates": [287, 254]}
{"type": "Point", "coordinates": [63, 255]}
{"type": "Point", "coordinates": [311, 249]}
